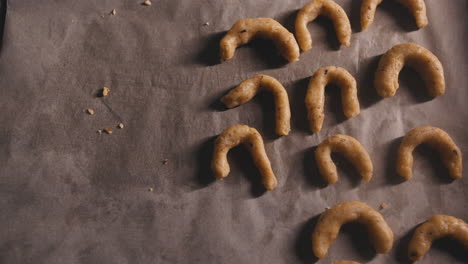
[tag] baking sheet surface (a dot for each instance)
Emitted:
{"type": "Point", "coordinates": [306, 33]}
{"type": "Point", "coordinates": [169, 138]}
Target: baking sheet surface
{"type": "Point", "coordinates": [69, 195]}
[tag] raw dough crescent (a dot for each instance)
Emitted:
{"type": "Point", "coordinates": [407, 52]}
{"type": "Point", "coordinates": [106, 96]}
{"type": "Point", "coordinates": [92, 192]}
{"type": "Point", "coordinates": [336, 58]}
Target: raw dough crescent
{"type": "Point", "coordinates": [331, 220]}
{"type": "Point", "coordinates": [415, 56]}
{"type": "Point", "coordinates": [416, 7]}
{"type": "Point", "coordinates": [329, 9]}
{"type": "Point", "coordinates": [351, 149]}
{"type": "Point", "coordinates": [250, 137]}
{"type": "Point", "coordinates": [435, 137]}
{"type": "Point", "coordinates": [261, 82]}
{"type": "Point", "coordinates": [436, 227]}
{"type": "Point", "coordinates": [244, 30]}
{"type": "Point", "coordinates": [315, 97]}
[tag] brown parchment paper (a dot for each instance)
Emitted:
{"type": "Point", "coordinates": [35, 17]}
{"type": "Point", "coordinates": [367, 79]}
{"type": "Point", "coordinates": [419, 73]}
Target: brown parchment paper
{"type": "Point", "coordinates": [69, 195]}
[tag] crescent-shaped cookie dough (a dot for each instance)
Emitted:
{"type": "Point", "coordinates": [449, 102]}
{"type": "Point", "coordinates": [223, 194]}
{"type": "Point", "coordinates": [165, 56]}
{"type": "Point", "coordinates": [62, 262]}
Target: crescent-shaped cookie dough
{"type": "Point", "coordinates": [315, 97]}
{"type": "Point", "coordinates": [416, 7]}
{"type": "Point", "coordinates": [351, 149]}
{"type": "Point", "coordinates": [412, 55]}
{"type": "Point", "coordinates": [435, 137]}
{"type": "Point", "coordinates": [261, 82]}
{"type": "Point", "coordinates": [245, 30]}
{"type": "Point", "coordinates": [331, 220]}
{"type": "Point", "coordinates": [329, 9]}
{"type": "Point", "coordinates": [438, 226]}
{"type": "Point", "coordinates": [346, 262]}
{"type": "Point", "coordinates": [250, 137]}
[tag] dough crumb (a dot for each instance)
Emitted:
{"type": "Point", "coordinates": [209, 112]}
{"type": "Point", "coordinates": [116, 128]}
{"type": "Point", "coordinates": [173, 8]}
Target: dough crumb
{"type": "Point", "coordinates": [90, 111]}
{"type": "Point", "coordinates": [150, 189]}
{"type": "Point", "coordinates": [121, 125]}
{"type": "Point", "coordinates": [113, 12]}
{"type": "Point", "coordinates": [105, 91]}
{"type": "Point", "coordinates": [108, 131]}
{"type": "Point", "coordinates": [206, 23]}
{"type": "Point", "coordinates": [383, 206]}
{"type": "Point", "coordinates": [165, 161]}
{"type": "Point", "coordinates": [147, 3]}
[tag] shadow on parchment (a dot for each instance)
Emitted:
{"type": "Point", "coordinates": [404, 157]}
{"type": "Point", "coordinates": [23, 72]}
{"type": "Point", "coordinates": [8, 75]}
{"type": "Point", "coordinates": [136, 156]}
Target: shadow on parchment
{"type": "Point", "coordinates": [355, 15]}
{"type": "Point", "coordinates": [209, 55]}
{"type": "Point", "coordinates": [288, 19]}
{"type": "Point", "coordinates": [298, 92]}
{"type": "Point", "coordinates": [346, 170]}
{"type": "Point", "coordinates": [215, 103]}
{"type": "Point", "coordinates": [331, 37]}
{"type": "Point", "coordinates": [240, 160]}
{"type": "Point", "coordinates": [411, 80]}
{"type": "Point", "coordinates": [366, 91]}
{"type": "Point", "coordinates": [311, 172]}
{"type": "Point", "coordinates": [390, 172]}
{"type": "Point", "coordinates": [401, 247]}
{"type": "Point", "coordinates": [453, 247]}
{"type": "Point", "coordinates": [204, 153]}
{"type": "Point", "coordinates": [303, 244]}
{"type": "Point", "coordinates": [400, 14]}
{"type": "Point", "coordinates": [333, 106]}
{"type": "Point", "coordinates": [3, 10]}
{"type": "Point", "coordinates": [266, 101]}
{"type": "Point", "coordinates": [358, 235]}
{"type": "Point", "coordinates": [431, 158]}
{"type": "Point", "coordinates": [268, 54]}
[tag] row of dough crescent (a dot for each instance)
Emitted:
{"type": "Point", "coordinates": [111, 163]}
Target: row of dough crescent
{"type": "Point", "coordinates": [385, 82]}
{"type": "Point", "coordinates": [314, 100]}
{"type": "Point", "coordinates": [348, 146]}
{"type": "Point", "coordinates": [244, 30]}
{"type": "Point", "coordinates": [331, 220]}
{"type": "Point", "coordinates": [380, 234]}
